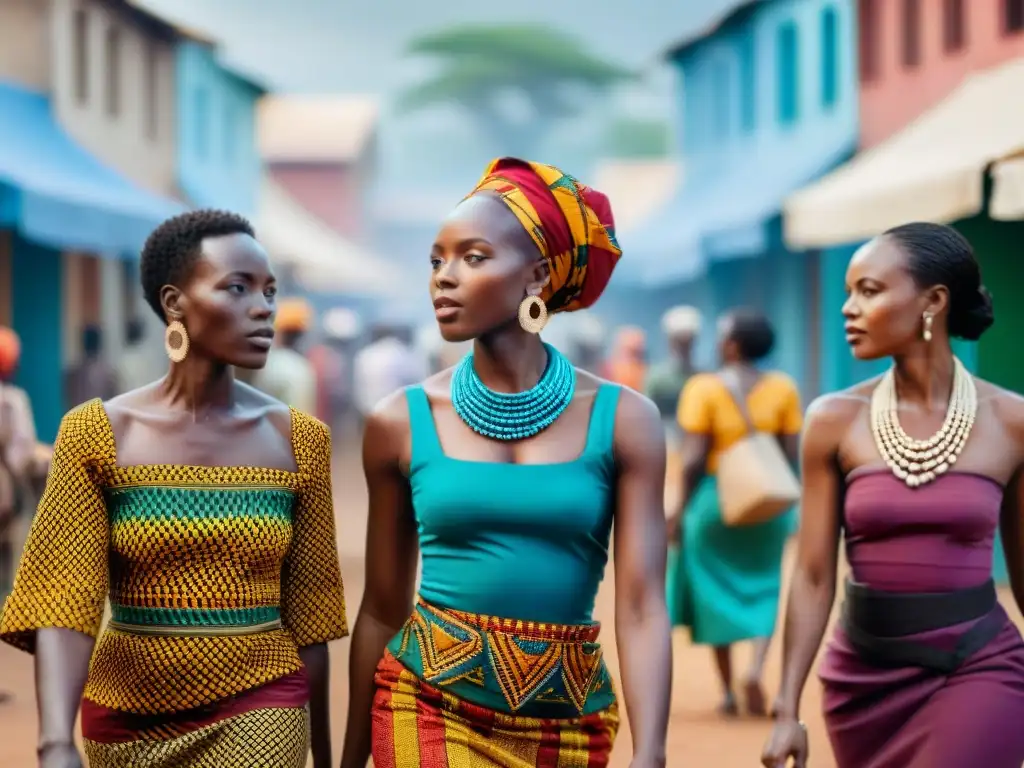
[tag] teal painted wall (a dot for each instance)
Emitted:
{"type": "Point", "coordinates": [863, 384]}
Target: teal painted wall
{"type": "Point", "coordinates": [37, 309]}
{"type": "Point", "coordinates": [997, 354]}
{"type": "Point", "coordinates": [997, 245]}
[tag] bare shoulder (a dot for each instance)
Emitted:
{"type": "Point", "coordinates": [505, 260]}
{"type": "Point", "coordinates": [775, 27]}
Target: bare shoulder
{"type": "Point", "coordinates": [387, 432]}
{"type": "Point", "coordinates": [633, 407]}
{"type": "Point", "coordinates": [124, 409]}
{"type": "Point", "coordinates": [1007, 407]}
{"type": "Point", "coordinates": [438, 386]}
{"type": "Point", "coordinates": [639, 434]}
{"type": "Point", "coordinates": [829, 416]}
{"type": "Point", "coordinates": [259, 404]}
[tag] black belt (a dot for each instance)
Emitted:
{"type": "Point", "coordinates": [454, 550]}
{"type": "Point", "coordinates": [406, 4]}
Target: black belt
{"type": "Point", "coordinates": [877, 623]}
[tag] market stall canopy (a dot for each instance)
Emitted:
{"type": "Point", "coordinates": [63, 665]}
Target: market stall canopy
{"type": "Point", "coordinates": [57, 193]}
{"type": "Point", "coordinates": [322, 260]}
{"type": "Point", "coordinates": [932, 170]}
{"type": "Point", "coordinates": [1007, 201]}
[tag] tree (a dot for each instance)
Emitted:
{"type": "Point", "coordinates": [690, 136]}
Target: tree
{"type": "Point", "coordinates": [516, 82]}
{"type": "Point", "coordinates": [635, 138]}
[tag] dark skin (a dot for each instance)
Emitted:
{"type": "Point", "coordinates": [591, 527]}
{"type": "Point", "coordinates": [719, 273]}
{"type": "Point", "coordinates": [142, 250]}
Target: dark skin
{"type": "Point", "coordinates": [196, 415]}
{"type": "Point", "coordinates": [485, 263]}
{"type": "Point", "coordinates": [697, 449]}
{"type": "Point", "coordinates": [884, 316]}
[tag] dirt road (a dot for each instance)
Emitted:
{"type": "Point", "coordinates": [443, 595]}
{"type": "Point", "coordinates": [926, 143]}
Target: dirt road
{"type": "Point", "coordinates": [698, 736]}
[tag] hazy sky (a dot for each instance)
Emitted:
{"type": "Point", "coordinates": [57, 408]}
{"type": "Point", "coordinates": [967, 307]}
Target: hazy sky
{"type": "Point", "coordinates": [339, 46]}
{"type": "Point", "coordinates": [345, 45]}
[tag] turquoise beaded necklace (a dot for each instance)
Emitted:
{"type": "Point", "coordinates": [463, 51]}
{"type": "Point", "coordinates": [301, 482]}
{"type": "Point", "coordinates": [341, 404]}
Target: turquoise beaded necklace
{"type": "Point", "coordinates": [518, 415]}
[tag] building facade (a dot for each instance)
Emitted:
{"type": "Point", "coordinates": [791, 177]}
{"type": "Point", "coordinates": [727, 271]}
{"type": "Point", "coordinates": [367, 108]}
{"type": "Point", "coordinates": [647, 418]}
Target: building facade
{"type": "Point", "coordinates": [912, 53]}
{"type": "Point", "coordinates": [82, 179]}
{"type": "Point", "coordinates": [218, 161]}
{"type": "Point", "coordinates": [768, 102]}
{"type": "Point", "coordinates": [323, 152]}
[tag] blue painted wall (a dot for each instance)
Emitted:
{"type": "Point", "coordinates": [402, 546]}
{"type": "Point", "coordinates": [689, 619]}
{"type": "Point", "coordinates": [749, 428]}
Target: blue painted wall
{"type": "Point", "coordinates": [218, 160]}
{"type": "Point", "coordinates": [736, 98]}
{"type": "Point", "coordinates": [37, 309]}
{"type": "Point", "coordinates": [769, 103]}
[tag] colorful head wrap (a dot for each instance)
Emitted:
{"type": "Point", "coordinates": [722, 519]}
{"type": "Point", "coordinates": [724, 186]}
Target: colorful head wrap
{"type": "Point", "coordinates": [10, 352]}
{"type": "Point", "coordinates": [570, 223]}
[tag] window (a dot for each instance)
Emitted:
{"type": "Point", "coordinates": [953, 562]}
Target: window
{"type": "Point", "coordinates": [748, 85]}
{"type": "Point", "coordinates": [80, 54]}
{"type": "Point", "coordinates": [230, 116]}
{"type": "Point", "coordinates": [868, 49]}
{"type": "Point", "coordinates": [695, 97]}
{"type": "Point", "coordinates": [112, 51]}
{"type": "Point", "coordinates": [1013, 16]}
{"type": "Point", "coordinates": [723, 102]}
{"type": "Point", "coordinates": [200, 123]}
{"type": "Point", "coordinates": [151, 91]}
{"type": "Point", "coordinates": [829, 57]}
{"type": "Point", "coordinates": [788, 68]}
{"type": "Point", "coordinates": [954, 35]}
{"type": "Point", "coordinates": [911, 18]}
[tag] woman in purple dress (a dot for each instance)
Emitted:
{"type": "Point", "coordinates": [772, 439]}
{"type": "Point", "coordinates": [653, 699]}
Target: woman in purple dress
{"type": "Point", "coordinates": [917, 468]}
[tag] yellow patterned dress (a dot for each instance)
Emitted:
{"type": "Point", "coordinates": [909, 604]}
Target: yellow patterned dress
{"type": "Point", "coordinates": [216, 577]}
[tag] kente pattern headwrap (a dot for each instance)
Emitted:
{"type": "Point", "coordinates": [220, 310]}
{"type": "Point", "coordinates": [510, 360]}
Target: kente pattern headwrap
{"type": "Point", "coordinates": [570, 223]}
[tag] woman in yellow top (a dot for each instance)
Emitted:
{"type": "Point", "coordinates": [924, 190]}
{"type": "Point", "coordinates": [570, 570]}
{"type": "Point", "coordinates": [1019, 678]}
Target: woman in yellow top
{"type": "Point", "coordinates": [203, 509]}
{"type": "Point", "coordinates": [724, 581]}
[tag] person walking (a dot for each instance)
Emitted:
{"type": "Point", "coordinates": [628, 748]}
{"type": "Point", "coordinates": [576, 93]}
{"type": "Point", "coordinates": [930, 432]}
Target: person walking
{"type": "Point", "coordinates": [916, 469]}
{"type": "Point", "coordinates": [725, 580]}
{"type": "Point", "coordinates": [509, 473]}
{"type": "Point", "coordinates": [203, 509]}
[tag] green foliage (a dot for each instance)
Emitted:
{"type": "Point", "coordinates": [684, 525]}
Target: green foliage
{"type": "Point", "coordinates": [631, 138]}
{"type": "Point", "coordinates": [523, 52]}
{"type": "Point", "coordinates": [482, 66]}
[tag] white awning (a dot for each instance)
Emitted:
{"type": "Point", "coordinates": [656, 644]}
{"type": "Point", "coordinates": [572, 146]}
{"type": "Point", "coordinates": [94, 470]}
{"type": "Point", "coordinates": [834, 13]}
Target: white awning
{"type": "Point", "coordinates": [1007, 201]}
{"type": "Point", "coordinates": [932, 170]}
{"type": "Point", "coordinates": [323, 260]}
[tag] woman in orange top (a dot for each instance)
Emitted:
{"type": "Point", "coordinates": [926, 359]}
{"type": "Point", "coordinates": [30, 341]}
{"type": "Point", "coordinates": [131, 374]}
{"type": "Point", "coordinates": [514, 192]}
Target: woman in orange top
{"type": "Point", "coordinates": [724, 581]}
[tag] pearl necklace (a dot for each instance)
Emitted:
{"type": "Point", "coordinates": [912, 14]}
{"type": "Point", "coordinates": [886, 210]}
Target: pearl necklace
{"type": "Point", "coordinates": [918, 462]}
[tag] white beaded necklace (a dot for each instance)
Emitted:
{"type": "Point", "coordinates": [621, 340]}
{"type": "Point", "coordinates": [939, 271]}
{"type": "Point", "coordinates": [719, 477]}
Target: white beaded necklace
{"type": "Point", "coordinates": [917, 462]}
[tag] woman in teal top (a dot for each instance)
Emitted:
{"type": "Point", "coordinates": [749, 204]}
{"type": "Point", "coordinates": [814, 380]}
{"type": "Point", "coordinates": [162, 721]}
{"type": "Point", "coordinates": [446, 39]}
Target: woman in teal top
{"type": "Point", "coordinates": [508, 473]}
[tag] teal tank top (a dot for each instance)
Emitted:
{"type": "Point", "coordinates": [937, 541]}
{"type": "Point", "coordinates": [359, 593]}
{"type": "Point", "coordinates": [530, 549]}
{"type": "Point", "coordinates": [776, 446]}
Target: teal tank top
{"type": "Point", "coordinates": [517, 541]}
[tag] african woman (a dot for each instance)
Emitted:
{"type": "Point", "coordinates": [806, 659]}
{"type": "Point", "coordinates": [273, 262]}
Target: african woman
{"type": "Point", "coordinates": [916, 470]}
{"type": "Point", "coordinates": [203, 509]}
{"type": "Point", "coordinates": [508, 474]}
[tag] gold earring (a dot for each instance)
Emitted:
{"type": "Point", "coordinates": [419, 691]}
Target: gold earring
{"type": "Point", "coordinates": [529, 323]}
{"type": "Point", "coordinates": [927, 326]}
{"type": "Point", "coordinates": [176, 341]}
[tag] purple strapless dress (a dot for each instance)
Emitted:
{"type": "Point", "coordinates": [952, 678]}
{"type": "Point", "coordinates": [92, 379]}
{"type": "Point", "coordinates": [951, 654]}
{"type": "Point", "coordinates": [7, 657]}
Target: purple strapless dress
{"type": "Point", "coordinates": [938, 538]}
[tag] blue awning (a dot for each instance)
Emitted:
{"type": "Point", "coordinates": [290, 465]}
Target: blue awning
{"type": "Point", "coordinates": [56, 193]}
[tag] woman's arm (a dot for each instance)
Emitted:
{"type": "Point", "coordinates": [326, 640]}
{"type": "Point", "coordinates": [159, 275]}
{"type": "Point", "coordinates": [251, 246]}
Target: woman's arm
{"type": "Point", "coordinates": [312, 590]}
{"type": "Point", "coordinates": [56, 607]}
{"type": "Point", "coordinates": [695, 418]}
{"type": "Point", "coordinates": [813, 585]}
{"type": "Point", "coordinates": [1010, 412]}
{"type": "Point", "coordinates": [641, 617]}
{"type": "Point", "coordinates": [62, 663]}
{"type": "Point", "coordinates": [391, 555]}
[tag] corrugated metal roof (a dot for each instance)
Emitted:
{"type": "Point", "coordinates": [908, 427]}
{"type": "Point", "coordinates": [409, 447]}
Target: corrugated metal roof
{"type": "Point", "coordinates": [316, 128]}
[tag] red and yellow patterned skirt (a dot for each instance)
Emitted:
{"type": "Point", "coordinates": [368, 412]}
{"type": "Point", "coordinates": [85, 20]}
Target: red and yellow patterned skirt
{"type": "Point", "coordinates": [459, 690]}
